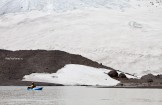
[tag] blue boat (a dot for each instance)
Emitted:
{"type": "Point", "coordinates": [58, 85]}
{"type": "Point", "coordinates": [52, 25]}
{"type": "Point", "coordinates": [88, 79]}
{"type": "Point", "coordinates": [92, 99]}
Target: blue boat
{"type": "Point", "coordinates": [36, 88]}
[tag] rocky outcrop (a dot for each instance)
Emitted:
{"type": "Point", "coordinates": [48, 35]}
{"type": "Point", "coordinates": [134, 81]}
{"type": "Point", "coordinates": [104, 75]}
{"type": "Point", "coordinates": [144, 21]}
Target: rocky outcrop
{"type": "Point", "coordinates": [159, 76]}
{"type": "Point", "coordinates": [113, 74]}
{"type": "Point", "coordinates": [122, 75]}
{"type": "Point", "coordinates": [148, 76]}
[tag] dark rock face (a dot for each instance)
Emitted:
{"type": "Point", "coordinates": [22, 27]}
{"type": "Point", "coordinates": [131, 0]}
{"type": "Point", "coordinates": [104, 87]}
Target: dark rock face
{"type": "Point", "coordinates": [148, 76]}
{"type": "Point", "coordinates": [159, 76]}
{"type": "Point", "coordinates": [15, 64]}
{"type": "Point", "coordinates": [122, 75]}
{"type": "Point", "coordinates": [113, 74]}
{"type": "Point", "coordinates": [149, 80]}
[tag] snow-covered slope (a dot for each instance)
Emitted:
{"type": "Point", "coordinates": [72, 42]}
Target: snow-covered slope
{"type": "Point", "coordinates": [75, 75]}
{"type": "Point", "coordinates": [123, 34]}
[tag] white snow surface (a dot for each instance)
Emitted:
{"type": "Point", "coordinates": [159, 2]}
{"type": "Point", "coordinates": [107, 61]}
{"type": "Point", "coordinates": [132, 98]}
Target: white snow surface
{"type": "Point", "coordinates": [73, 74]}
{"type": "Point", "coordinates": [122, 34]}
{"type": "Point", "coordinates": [12, 6]}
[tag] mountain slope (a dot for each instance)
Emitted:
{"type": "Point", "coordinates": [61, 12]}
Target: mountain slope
{"type": "Point", "coordinates": [14, 65]}
{"type": "Point", "coordinates": [125, 35]}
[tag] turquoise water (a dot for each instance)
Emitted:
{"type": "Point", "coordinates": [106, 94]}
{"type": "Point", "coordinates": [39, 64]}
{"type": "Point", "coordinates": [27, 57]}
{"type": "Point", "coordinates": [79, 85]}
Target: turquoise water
{"type": "Point", "coordinates": [69, 95]}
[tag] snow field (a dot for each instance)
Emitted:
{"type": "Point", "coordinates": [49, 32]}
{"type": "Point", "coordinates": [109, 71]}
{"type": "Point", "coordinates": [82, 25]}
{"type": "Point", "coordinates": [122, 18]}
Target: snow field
{"type": "Point", "coordinates": [75, 75]}
{"type": "Point", "coordinates": [125, 35]}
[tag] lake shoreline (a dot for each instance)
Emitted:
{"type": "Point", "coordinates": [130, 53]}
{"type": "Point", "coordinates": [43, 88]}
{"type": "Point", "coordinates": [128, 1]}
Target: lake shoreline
{"type": "Point", "coordinates": [132, 87]}
{"type": "Point", "coordinates": [27, 83]}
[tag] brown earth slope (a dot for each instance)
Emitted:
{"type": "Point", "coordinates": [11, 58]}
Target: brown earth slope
{"type": "Point", "coordinates": [15, 64]}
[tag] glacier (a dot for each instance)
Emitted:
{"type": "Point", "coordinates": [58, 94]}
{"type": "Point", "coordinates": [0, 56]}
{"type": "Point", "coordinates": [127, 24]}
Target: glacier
{"type": "Point", "coordinates": [122, 34]}
{"type": "Point", "coordinates": [12, 6]}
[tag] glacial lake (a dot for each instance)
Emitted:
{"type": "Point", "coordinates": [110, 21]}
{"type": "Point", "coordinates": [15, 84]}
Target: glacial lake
{"type": "Point", "coordinates": [70, 95]}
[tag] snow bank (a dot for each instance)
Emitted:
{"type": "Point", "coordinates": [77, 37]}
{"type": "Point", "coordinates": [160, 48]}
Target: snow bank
{"type": "Point", "coordinates": [75, 75]}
